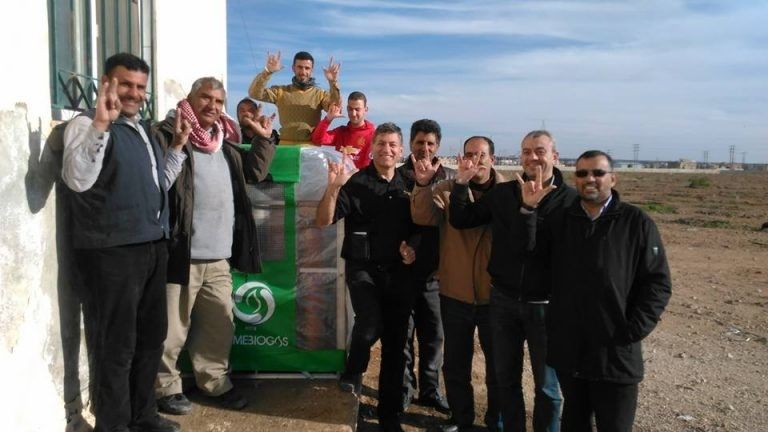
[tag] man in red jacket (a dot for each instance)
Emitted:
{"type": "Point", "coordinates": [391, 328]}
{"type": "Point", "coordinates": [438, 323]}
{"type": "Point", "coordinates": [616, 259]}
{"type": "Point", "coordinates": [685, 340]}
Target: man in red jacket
{"type": "Point", "coordinates": [354, 139]}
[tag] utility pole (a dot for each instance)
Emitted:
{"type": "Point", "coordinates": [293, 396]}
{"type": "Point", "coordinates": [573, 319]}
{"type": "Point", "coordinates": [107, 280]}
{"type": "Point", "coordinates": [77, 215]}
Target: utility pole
{"type": "Point", "coordinates": [706, 157]}
{"type": "Point", "coordinates": [731, 152]}
{"type": "Point", "coordinates": [636, 150]}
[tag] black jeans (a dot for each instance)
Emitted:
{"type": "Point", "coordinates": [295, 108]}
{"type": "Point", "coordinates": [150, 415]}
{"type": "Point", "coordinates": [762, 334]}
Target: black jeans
{"type": "Point", "coordinates": [426, 324]}
{"type": "Point", "coordinates": [614, 405]}
{"type": "Point", "coordinates": [126, 289]}
{"type": "Point", "coordinates": [381, 299]}
{"type": "Point", "coordinates": [515, 323]}
{"type": "Point", "coordinates": [459, 322]}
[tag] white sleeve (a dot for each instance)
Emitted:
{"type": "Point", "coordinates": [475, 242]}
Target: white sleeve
{"type": "Point", "coordinates": [84, 148]}
{"type": "Point", "coordinates": [173, 166]}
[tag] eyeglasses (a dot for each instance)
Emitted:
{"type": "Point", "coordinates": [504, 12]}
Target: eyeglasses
{"type": "Point", "coordinates": [595, 172]}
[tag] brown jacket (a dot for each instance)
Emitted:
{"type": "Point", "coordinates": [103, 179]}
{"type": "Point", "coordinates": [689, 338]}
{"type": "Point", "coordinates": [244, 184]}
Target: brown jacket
{"type": "Point", "coordinates": [464, 254]}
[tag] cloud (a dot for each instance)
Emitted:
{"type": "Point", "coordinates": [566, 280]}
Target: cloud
{"type": "Point", "coordinates": [676, 77]}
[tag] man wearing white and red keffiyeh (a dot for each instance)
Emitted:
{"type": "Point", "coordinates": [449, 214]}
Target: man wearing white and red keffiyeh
{"type": "Point", "coordinates": [212, 228]}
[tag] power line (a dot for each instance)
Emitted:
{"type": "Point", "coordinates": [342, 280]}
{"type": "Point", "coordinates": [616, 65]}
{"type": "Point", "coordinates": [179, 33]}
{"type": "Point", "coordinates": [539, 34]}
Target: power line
{"type": "Point", "coordinates": [247, 34]}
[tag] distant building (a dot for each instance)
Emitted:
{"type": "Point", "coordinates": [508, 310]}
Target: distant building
{"type": "Point", "coordinates": [683, 164]}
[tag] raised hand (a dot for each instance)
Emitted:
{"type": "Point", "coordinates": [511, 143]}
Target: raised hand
{"type": "Point", "coordinates": [407, 253]}
{"type": "Point", "coordinates": [334, 112]}
{"type": "Point", "coordinates": [108, 105]}
{"type": "Point", "coordinates": [332, 71]}
{"type": "Point", "coordinates": [533, 191]}
{"type": "Point", "coordinates": [424, 170]}
{"type": "Point", "coordinates": [338, 174]}
{"type": "Point", "coordinates": [467, 168]}
{"type": "Point", "coordinates": [181, 132]}
{"type": "Point", "coordinates": [273, 62]}
{"type": "Point", "coordinates": [263, 125]}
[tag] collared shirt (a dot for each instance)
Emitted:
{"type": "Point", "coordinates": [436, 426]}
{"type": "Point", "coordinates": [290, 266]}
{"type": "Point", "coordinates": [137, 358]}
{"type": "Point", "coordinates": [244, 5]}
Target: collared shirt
{"type": "Point", "coordinates": [371, 204]}
{"type": "Point", "coordinates": [84, 148]}
{"type": "Point", "coordinates": [602, 209]}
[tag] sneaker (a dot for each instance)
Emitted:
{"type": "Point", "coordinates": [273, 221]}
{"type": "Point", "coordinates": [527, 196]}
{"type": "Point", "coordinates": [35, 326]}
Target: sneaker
{"type": "Point", "coordinates": [157, 424]}
{"type": "Point", "coordinates": [436, 401]}
{"type": "Point", "coordinates": [231, 400]}
{"type": "Point", "coordinates": [176, 404]}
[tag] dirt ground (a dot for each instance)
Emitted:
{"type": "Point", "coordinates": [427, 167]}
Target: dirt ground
{"type": "Point", "coordinates": [707, 361]}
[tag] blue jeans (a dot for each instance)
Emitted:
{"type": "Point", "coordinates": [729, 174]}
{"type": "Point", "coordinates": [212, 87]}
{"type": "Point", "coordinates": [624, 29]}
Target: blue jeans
{"type": "Point", "coordinates": [513, 324]}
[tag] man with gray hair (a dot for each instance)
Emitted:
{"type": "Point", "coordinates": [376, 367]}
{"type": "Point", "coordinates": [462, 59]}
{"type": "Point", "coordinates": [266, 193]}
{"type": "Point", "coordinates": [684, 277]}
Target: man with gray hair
{"type": "Point", "coordinates": [519, 294]}
{"type": "Point", "coordinates": [212, 228]}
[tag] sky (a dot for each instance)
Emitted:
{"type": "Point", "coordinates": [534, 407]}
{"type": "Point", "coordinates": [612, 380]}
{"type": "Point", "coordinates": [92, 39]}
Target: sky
{"type": "Point", "coordinates": [676, 78]}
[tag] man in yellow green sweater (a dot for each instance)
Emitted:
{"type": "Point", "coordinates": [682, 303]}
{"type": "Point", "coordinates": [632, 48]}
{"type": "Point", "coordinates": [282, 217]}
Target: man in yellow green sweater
{"type": "Point", "coordinates": [301, 103]}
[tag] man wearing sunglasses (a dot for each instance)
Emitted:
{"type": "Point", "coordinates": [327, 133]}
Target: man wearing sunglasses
{"type": "Point", "coordinates": [610, 283]}
{"type": "Point", "coordinates": [519, 296]}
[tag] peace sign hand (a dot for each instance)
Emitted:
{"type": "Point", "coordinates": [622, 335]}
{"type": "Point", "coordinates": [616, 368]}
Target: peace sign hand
{"type": "Point", "coordinates": [533, 191]}
{"type": "Point", "coordinates": [424, 170]}
{"type": "Point", "coordinates": [468, 168]}
{"type": "Point", "coordinates": [332, 71]}
{"type": "Point", "coordinates": [108, 105]}
{"type": "Point", "coordinates": [338, 173]}
{"type": "Point", "coordinates": [273, 62]}
{"type": "Point", "coordinates": [181, 132]}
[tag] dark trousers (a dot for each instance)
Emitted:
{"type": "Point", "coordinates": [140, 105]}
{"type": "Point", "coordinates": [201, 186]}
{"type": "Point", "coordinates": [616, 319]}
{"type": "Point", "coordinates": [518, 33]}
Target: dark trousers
{"type": "Point", "coordinates": [381, 299]}
{"type": "Point", "coordinates": [126, 289]}
{"type": "Point", "coordinates": [426, 324]}
{"type": "Point", "coordinates": [612, 404]}
{"type": "Point", "coordinates": [459, 322]}
{"type": "Point", "coordinates": [515, 323]}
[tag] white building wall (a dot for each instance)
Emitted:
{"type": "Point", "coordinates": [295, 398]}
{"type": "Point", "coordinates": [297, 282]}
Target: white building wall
{"type": "Point", "coordinates": [190, 42]}
{"type": "Point", "coordinates": [30, 361]}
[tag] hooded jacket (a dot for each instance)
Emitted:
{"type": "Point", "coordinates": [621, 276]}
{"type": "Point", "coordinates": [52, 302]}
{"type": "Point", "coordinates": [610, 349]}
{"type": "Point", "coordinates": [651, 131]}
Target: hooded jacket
{"type": "Point", "coordinates": [345, 137]}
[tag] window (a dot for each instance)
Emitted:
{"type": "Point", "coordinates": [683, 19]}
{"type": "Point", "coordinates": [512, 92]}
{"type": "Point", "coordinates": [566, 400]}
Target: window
{"type": "Point", "coordinates": [86, 32]}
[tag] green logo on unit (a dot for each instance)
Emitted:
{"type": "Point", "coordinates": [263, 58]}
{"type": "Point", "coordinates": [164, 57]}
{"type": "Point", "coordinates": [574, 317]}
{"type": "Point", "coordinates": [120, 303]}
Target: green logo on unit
{"type": "Point", "coordinates": [254, 303]}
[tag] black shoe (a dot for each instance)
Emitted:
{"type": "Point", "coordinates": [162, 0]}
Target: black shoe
{"type": "Point", "coordinates": [436, 401]}
{"type": "Point", "coordinates": [176, 404]}
{"type": "Point", "coordinates": [157, 424]}
{"type": "Point", "coordinates": [231, 400]}
{"type": "Point", "coordinates": [390, 425]}
{"type": "Point", "coordinates": [352, 383]}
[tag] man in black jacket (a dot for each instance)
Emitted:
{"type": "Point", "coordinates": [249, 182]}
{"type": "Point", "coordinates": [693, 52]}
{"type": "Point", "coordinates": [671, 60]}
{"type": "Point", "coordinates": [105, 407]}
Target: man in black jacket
{"type": "Point", "coordinates": [212, 228]}
{"type": "Point", "coordinates": [610, 285]}
{"type": "Point", "coordinates": [380, 243]}
{"type": "Point", "coordinates": [519, 294]}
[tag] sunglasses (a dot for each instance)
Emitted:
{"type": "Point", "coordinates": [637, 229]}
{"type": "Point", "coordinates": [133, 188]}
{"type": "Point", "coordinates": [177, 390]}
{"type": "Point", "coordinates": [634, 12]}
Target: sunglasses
{"type": "Point", "coordinates": [595, 172]}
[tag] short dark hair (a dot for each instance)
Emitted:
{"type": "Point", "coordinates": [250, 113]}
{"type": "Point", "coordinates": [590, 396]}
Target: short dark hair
{"type": "Point", "coordinates": [426, 126]}
{"type": "Point", "coordinates": [126, 60]}
{"type": "Point", "coordinates": [386, 128]}
{"type": "Point", "coordinates": [303, 55]}
{"type": "Point", "coordinates": [356, 95]}
{"type": "Point", "coordinates": [491, 147]}
{"type": "Point", "coordinates": [589, 154]}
